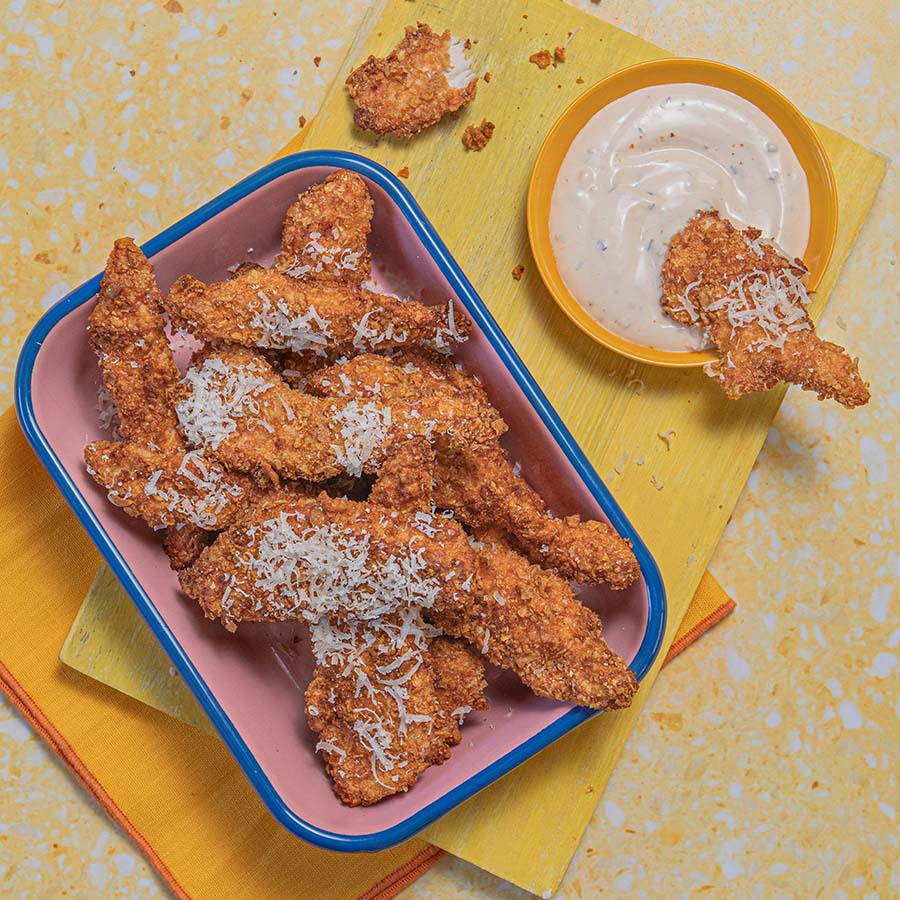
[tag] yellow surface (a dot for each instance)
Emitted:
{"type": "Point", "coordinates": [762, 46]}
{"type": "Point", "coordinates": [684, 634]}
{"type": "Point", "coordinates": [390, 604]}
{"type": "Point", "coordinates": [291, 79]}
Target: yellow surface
{"type": "Point", "coordinates": [802, 136]}
{"type": "Point", "coordinates": [747, 776]}
{"type": "Point", "coordinates": [111, 642]}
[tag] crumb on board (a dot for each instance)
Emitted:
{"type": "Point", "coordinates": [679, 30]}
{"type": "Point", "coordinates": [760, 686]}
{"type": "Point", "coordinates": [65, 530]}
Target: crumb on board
{"type": "Point", "coordinates": [654, 480]}
{"type": "Point", "coordinates": [560, 54]}
{"type": "Point", "coordinates": [619, 467]}
{"type": "Point", "coordinates": [579, 80]}
{"type": "Point", "coordinates": [542, 59]}
{"type": "Point", "coordinates": [404, 172]}
{"type": "Point", "coordinates": [317, 61]}
{"type": "Point", "coordinates": [666, 437]}
{"type": "Point", "coordinates": [487, 76]}
{"type": "Point", "coordinates": [640, 461]}
{"type": "Point", "coordinates": [467, 44]}
{"type": "Point", "coordinates": [517, 272]}
{"type": "Point", "coordinates": [475, 137]}
{"type": "Point", "coordinates": [301, 122]}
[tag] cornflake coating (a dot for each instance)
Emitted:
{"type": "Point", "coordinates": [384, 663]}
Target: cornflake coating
{"type": "Point", "coordinates": [750, 299]}
{"type": "Point", "coordinates": [459, 681]}
{"type": "Point", "coordinates": [436, 388]}
{"type": "Point", "coordinates": [404, 481]}
{"type": "Point", "coordinates": [476, 137]}
{"type": "Point", "coordinates": [375, 704]}
{"type": "Point", "coordinates": [140, 378]}
{"type": "Point", "coordinates": [178, 488]}
{"type": "Point", "coordinates": [525, 618]}
{"type": "Point", "coordinates": [184, 544]}
{"type": "Point", "coordinates": [425, 77]}
{"type": "Point", "coordinates": [518, 615]}
{"type": "Point", "coordinates": [304, 558]}
{"type": "Point", "coordinates": [484, 492]}
{"type": "Point", "coordinates": [326, 230]}
{"type": "Point", "coordinates": [267, 309]}
{"type": "Point", "coordinates": [127, 333]}
{"type": "Point", "coordinates": [243, 414]}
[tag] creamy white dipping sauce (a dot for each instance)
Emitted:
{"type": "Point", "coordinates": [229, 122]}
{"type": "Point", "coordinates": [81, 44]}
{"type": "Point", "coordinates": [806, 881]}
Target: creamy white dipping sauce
{"type": "Point", "coordinates": [637, 172]}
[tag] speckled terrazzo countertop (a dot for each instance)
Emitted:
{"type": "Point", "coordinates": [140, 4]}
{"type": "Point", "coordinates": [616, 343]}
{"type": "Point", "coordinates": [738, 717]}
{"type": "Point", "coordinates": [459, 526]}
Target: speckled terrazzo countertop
{"type": "Point", "coordinates": [762, 765]}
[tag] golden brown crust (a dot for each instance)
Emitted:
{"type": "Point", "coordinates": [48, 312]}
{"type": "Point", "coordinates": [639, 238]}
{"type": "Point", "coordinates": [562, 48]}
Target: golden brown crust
{"type": "Point", "coordinates": [706, 261]}
{"type": "Point", "coordinates": [298, 435]}
{"type": "Point", "coordinates": [333, 544]}
{"type": "Point", "coordinates": [408, 90]}
{"type": "Point", "coordinates": [167, 487]}
{"type": "Point", "coordinates": [127, 333]}
{"type": "Point", "coordinates": [184, 545]}
{"type": "Point", "coordinates": [265, 308]}
{"type": "Point", "coordinates": [484, 492]}
{"type": "Point", "coordinates": [325, 232]}
{"type": "Point", "coordinates": [435, 387]}
{"type": "Point", "coordinates": [402, 719]}
{"type": "Point", "coordinates": [459, 685]}
{"type": "Point", "coordinates": [527, 619]}
{"type": "Point", "coordinates": [476, 137]}
{"type": "Point", "coordinates": [405, 479]}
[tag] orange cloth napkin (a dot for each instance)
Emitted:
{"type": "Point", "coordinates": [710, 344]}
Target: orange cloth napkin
{"type": "Point", "coordinates": [175, 791]}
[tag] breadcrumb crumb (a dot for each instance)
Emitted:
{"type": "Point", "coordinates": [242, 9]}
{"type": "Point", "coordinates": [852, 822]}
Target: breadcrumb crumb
{"type": "Point", "coordinates": [301, 122]}
{"type": "Point", "coordinates": [487, 76]}
{"type": "Point", "coordinates": [317, 60]}
{"type": "Point", "coordinates": [560, 54]}
{"type": "Point", "coordinates": [579, 80]}
{"type": "Point", "coordinates": [517, 272]}
{"type": "Point", "coordinates": [476, 137]}
{"type": "Point", "coordinates": [542, 59]}
{"type": "Point", "coordinates": [404, 172]}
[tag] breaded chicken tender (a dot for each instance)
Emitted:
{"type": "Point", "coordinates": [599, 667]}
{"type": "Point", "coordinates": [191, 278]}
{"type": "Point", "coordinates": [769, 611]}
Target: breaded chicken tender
{"type": "Point", "coordinates": [425, 77]}
{"type": "Point", "coordinates": [267, 309]}
{"type": "Point", "coordinates": [484, 492]}
{"type": "Point", "coordinates": [127, 333]}
{"type": "Point", "coordinates": [750, 299]}
{"type": "Point", "coordinates": [458, 681]}
{"type": "Point", "coordinates": [527, 619]}
{"type": "Point", "coordinates": [375, 702]}
{"type": "Point", "coordinates": [243, 414]}
{"type": "Point", "coordinates": [175, 487]}
{"type": "Point", "coordinates": [436, 386]}
{"type": "Point", "coordinates": [518, 615]}
{"type": "Point", "coordinates": [326, 230]}
{"type": "Point", "coordinates": [304, 558]}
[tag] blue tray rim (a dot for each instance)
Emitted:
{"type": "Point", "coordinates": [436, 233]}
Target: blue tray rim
{"type": "Point", "coordinates": [400, 195]}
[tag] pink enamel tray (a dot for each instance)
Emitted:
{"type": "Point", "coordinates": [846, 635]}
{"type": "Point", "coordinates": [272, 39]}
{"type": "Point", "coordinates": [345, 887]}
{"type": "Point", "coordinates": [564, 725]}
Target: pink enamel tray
{"type": "Point", "coordinates": [251, 684]}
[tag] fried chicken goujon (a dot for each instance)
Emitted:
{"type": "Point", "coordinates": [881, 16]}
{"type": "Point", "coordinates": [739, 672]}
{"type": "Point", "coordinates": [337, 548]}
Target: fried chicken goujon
{"type": "Point", "coordinates": [750, 299]}
{"type": "Point", "coordinates": [425, 77]}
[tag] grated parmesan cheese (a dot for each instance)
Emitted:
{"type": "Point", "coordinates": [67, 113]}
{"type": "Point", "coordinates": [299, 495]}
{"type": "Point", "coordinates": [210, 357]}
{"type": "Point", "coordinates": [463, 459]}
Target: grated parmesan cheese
{"type": "Point", "coordinates": [281, 329]}
{"type": "Point", "coordinates": [364, 428]}
{"type": "Point", "coordinates": [218, 395]}
{"type": "Point", "coordinates": [773, 301]}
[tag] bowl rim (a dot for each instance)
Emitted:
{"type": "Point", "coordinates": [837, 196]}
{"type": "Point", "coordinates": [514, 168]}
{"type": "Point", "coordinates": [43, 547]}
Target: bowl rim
{"type": "Point", "coordinates": [411, 825]}
{"type": "Point", "coordinates": [538, 225]}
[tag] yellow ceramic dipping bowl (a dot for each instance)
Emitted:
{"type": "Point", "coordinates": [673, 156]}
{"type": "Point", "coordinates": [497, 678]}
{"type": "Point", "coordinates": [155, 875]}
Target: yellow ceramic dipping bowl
{"type": "Point", "coordinates": [793, 124]}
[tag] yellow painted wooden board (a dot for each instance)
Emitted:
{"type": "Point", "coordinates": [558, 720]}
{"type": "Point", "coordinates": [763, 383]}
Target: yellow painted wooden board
{"type": "Point", "coordinates": [526, 827]}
